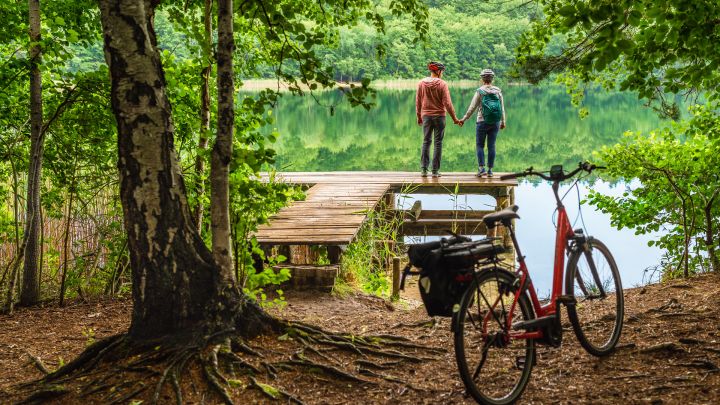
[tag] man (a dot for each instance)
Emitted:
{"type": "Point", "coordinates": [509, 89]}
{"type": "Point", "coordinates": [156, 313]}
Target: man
{"type": "Point", "coordinates": [488, 100]}
{"type": "Point", "coordinates": [432, 102]}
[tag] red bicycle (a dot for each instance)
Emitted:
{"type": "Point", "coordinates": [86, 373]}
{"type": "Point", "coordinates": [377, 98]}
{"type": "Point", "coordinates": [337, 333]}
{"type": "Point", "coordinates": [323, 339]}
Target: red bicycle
{"type": "Point", "coordinates": [500, 318]}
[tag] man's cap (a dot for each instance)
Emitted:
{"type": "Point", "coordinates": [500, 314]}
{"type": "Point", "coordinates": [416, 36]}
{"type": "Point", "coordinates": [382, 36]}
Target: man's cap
{"type": "Point", "coordinates": [487, 73]}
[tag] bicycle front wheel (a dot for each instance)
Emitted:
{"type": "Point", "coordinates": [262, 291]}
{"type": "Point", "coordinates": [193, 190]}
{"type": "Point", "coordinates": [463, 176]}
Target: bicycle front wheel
{"type": "Point", "coordinates": [592, 277]}
{"type": "Point", "coordinates": [494, 367]}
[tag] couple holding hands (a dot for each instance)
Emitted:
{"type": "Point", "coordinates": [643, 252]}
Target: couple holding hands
{"type": "Point", "coordinates": [432, 102]}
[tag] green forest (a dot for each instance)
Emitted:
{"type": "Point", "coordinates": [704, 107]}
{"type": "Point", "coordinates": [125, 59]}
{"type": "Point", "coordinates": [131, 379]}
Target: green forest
{"type": "Point", "coordinates": [134, 168]}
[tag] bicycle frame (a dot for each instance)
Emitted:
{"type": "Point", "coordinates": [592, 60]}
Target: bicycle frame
{"type": "Point", "coordinates": [564, 233]}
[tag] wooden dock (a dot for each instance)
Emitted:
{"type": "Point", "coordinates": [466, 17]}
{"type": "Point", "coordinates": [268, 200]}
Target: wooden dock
{"type": "Point", "coordinates": [330, 215]}
{"type": "Point", "coordinates": [337, 204]}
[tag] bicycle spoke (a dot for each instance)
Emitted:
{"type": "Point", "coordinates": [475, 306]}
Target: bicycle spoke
{"type": "Point", "coordinates": [486, 347]}
{"type": "Point", "coordinates": [491, 308]}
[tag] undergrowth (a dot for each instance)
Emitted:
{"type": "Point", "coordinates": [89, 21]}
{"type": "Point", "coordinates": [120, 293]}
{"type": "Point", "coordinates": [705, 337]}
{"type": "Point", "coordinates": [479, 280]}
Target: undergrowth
{"type": "Point", "coordinates": [365, 264]}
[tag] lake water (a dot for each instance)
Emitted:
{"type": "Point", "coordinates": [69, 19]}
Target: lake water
{"type": "Point", "coordinates": [542, 129]}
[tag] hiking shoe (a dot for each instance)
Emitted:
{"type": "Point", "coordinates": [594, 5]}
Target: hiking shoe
{"type": "Point", "coordinates": [490, 173]}
{"type": "Point", "coordinates": [423, 173]}
{"type": "Point", "coordinates": [436, 174]}
{"type": "Point", "coordinates": [481, 172]}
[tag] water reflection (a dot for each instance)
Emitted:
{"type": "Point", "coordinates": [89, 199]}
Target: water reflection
{"type": "Point", "coordinates": [543, 129]}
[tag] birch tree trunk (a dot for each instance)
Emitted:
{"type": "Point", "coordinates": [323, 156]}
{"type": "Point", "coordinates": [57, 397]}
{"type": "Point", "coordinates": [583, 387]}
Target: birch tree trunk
{"type": "Point", "coordinates": [204, 116]}
{"type": "Point", "coordinates": [178, 289]}
{"type": "Point", "coordinates": [31, 284]}
{"type": "Point", "coordinates": [222, 150]}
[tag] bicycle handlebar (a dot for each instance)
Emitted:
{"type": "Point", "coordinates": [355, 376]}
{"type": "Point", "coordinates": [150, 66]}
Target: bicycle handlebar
{"type": "Point", "coordinates": [556, 172]}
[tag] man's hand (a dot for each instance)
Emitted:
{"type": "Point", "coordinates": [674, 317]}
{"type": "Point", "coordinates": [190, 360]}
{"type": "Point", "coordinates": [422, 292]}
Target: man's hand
{"type": "Point", "coordinates": [502, 125]}
{"type": "Point", "coordinates": [419, 120]}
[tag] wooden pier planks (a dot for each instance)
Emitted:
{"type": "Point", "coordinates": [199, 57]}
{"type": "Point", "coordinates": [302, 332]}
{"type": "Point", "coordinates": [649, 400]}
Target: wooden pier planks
{"type": "Point", "coordinates": [337, 203]}
{"type": "Point", "coordinates": [331, 214]}
{"type": "Point", "coordinates": [395, 179]}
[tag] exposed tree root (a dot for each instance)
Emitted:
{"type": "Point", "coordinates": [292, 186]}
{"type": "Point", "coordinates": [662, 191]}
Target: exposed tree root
{"type": "Point", "coordinates": [38, 363]}
{"type": "Point", "coordinates": [392, 379]}
{"type": "Point", "coordinates": [118, 370]}
{"type": "Point", "coordinates": [273, 392]}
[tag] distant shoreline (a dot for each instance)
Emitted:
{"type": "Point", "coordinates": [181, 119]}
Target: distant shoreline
{"type": "Point", "coordinates": [395, 84]}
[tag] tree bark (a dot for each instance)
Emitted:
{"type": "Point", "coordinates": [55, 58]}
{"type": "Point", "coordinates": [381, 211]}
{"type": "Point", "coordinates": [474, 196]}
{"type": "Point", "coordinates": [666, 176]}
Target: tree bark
{"type": "Point", "coordinates": [178, 289]}
{"type": "Point", "coordinates": [204, 117]}
{"type": "Point", "coordinates": [222, 150]}
{"type": "Point", "coordinates": [31, 284]}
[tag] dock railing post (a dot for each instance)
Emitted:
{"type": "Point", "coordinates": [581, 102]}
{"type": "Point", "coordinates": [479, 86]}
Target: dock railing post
{"type": "Point", "coordinates": [395, 278]}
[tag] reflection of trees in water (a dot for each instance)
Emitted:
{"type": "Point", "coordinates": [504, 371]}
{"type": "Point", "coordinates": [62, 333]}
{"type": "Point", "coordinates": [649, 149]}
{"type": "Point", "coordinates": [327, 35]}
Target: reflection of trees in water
{"type": "Point", "coordinates": [543, 129]}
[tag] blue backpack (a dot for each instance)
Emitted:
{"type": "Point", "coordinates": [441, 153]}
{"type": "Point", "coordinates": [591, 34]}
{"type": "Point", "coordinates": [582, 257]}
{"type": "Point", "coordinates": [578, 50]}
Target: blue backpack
{"type": "Point", "coordinates": [491, 107]}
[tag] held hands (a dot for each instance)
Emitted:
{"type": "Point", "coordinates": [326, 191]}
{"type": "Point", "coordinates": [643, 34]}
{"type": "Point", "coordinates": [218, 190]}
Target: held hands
{"type": "Point", "coordinates": [458, 122]}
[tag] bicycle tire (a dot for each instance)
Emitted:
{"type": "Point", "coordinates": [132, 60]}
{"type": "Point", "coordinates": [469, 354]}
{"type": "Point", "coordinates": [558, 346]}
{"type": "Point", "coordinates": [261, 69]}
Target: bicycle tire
{"type": "Point", "coordinates": [592, 313]}
{"type": "Point", "coordinates": [485, 388]}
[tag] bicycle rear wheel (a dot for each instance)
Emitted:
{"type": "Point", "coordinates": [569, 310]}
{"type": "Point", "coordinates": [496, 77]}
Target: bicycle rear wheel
{"type": "Point", "coordinates": [592, 277]}
{"type": "Point", "coordinates": [494, 368]}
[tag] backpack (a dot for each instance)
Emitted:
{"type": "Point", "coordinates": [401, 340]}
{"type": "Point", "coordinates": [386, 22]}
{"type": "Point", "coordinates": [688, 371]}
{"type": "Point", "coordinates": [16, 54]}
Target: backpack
{"type": "Point", "coordinates": [491, 107]}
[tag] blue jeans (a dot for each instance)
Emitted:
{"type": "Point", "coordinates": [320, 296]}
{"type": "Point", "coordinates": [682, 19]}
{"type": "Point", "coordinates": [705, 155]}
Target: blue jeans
{"type": "Point", "coordinates": [483, 131]}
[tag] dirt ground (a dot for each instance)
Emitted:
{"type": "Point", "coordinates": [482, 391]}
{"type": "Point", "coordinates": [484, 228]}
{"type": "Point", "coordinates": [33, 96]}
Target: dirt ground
{"type": "Point", "coordinates": [669, 352]}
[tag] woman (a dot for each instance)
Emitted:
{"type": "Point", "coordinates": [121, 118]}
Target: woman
{"type": "Point", "coordinates": [488, 100]}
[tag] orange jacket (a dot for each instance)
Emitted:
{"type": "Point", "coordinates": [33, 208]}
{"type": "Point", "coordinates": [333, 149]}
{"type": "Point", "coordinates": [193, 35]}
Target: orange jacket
{"type": "Point", "coordinates": [433, 98]}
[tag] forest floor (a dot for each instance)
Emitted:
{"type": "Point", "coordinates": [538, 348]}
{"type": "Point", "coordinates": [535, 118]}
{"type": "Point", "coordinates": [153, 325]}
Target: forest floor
{"type": "Point", "coordinates": [669, 352]}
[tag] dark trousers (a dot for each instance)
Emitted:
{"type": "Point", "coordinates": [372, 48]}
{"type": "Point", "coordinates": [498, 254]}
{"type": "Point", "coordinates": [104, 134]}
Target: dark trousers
{"type": "Point", "coordinates": [486, 131]}
{"type": "Point", "coordinates": [433, 129]}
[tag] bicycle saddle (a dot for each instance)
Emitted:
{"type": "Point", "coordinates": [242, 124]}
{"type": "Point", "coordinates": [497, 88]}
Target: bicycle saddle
{"type": "Point", "coordinates": [505, 214]}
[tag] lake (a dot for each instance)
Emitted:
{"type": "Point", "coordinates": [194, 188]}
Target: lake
{"type": "Point", "coordinates": [542, 129]}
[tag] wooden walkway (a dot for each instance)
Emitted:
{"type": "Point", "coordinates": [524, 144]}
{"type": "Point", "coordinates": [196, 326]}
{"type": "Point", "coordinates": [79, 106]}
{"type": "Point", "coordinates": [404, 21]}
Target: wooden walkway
{"type": "Point", "coordinates": [337, 203]}
{"type": "Point", "coordinates": [331, 214]}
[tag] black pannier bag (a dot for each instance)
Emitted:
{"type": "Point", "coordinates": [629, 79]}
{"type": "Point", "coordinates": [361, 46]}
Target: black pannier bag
{"type": "Point", "coordinates": [446, 269]}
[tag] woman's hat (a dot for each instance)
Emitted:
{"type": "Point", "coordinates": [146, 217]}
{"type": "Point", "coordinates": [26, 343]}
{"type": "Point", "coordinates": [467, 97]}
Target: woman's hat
{"type": "Point", "coordinates": [487, 73]}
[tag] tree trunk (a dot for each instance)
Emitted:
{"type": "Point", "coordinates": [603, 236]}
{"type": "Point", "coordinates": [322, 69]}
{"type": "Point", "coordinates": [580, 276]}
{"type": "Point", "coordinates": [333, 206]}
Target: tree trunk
{"type": "Point", "coordinates": [204, 117]}
{"type": "Point", "coordinates": [31, 284]}
{"type": "Point", "coordinates": [66, 243]}
{"type": "Point", "coordinates": [222, 150]}
{"type": "Point", "coordinates": [178, 289]}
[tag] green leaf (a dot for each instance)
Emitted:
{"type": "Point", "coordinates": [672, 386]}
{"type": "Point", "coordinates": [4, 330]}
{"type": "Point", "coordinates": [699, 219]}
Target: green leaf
{"type": "Point", "coordinates": [567, 11]}
{"type": "Point", "coordinates": [624, 44]}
